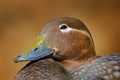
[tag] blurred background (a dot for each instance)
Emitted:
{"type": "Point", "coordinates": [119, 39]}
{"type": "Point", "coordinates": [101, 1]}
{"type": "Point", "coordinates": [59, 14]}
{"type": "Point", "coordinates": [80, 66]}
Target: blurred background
{"type": "Point", "coordinates": [21, 21]}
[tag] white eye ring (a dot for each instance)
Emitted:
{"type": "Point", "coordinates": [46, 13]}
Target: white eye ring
{"type": "Point", "coordinates": [64, 28]}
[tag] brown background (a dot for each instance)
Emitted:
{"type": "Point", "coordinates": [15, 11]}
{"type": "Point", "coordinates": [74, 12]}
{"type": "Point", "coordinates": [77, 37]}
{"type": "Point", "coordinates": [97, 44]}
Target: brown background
{"type": "Point", "coordinates": [21, 21]}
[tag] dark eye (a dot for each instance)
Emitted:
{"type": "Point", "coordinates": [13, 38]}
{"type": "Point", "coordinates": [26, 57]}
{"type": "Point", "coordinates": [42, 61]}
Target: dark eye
{"type": "Point", "coordinates": [63, 26]}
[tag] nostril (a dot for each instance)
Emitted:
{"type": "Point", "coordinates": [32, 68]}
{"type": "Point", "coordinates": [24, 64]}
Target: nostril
{"type": "Point", "coordinates": [35, 49]}
{"type": "Point", "coordinates": [19, 56]}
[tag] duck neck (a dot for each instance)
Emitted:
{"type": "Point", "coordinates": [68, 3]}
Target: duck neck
{"type": "Point", "coordinates": [70, 65]}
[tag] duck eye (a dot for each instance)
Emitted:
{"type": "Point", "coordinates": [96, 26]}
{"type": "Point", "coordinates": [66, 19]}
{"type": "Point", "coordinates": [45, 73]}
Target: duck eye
{"type": "Point", "coordinates": [63, 26]}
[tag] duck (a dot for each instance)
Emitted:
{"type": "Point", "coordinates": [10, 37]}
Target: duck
{"type": "Point", "coordinates": [64, 50]}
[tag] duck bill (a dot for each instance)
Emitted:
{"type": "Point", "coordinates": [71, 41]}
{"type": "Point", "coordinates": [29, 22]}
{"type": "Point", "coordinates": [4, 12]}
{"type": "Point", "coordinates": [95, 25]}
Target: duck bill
{"type": "Point", "coordinates": [38, 50]}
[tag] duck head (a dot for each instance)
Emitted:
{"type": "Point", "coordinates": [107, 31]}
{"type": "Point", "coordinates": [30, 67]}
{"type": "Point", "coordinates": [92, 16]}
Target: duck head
{"type": "Point", "coordinates": [66, 40]}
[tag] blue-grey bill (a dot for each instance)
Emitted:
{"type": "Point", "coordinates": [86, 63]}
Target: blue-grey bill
{"type": "Point", "coordinates": [34, 54]}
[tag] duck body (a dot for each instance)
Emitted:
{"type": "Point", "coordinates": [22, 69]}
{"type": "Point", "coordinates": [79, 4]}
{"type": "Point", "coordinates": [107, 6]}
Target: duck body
{"type": "Point", "coordinates": [42, 70]}
{"type": "Point", "coordinates": [64, 50]}
{"type": "Point", "coordinates": [102, 68]}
